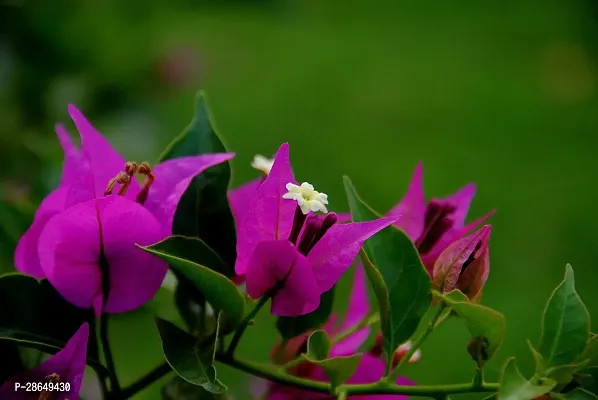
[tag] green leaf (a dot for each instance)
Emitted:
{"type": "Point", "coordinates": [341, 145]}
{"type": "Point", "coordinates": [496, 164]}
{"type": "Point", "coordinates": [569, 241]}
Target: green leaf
{"type": "Point", "coordinates": [481, 321]}
{"type": "Point", "coordinates": [394, 268]}
{"type": "Point", "coordinates": [204, 210]}
{"type": "Point", "coordinates": [565, 324]}
{"type": "Point", "coordinates": [338, 369]}
{"type": "Point", "coordinates": [590, 351]}
{"type": "Point", "coordinates": [564, 374]}
{"type": "Point", "coordinates": [289, 327]}
{"type": "Point", "coordinates": [29, 311]}
{"type": "Point", "coordinates": [513, 386]}
{"type": "Point", "coordinates": [318, 346]}
{"type": "Point", "coordinates": [218, 290]}
{"type": "Point", "coordinates": [575, 394]}
{"type": "Point", "coordinates": [191, 359]}
{"type": "Point", "coordinates": [194, 250]}
{"type": "Point", "coordinates": [179, 389]}
{"type": "Point", "coordinates": [538, 359]}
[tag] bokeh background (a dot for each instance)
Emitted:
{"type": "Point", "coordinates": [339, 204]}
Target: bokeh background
{"type": "Point", "coordinates": [504, 94]}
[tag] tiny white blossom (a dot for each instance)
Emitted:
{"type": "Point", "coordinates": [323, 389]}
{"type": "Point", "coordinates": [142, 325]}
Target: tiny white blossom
{"type": "Point", "coordinates": [262, 163]}
{"type": "Point", "coordinates": [404, 349]}
{"type": "Point", "coordinates": [307, 197]}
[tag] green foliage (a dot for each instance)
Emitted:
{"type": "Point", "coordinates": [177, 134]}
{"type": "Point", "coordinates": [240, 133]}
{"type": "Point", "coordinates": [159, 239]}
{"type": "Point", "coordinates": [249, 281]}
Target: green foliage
{"type": "Point", "coordinates": [337, 369]}
{"type": "Point", "coordinates": [218, 290]}
{"type": "Point", "coordinates": [190, 358]}
{"type": "Point", "coordinates": [395, 270]}
{"type": "Point", "coordinates": [29, 311]}
{"type": "Point", "coordinates": [204, 211]}
{"type": "Point", "coordinates": [289, 327]}
{"type": "Point", "coordinates": [481, 321]}
{"type": "Point", "coordinates": [565, 324]}
{"type": "Point", "coordinates": [513, 386]}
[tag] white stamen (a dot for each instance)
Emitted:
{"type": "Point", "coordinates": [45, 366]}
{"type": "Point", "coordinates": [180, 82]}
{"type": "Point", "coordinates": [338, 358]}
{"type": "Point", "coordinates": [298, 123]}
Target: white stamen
{"type": "Point", "coordinates": [307, 198]}
{"type": "Point", "coordinates": [262, 163]}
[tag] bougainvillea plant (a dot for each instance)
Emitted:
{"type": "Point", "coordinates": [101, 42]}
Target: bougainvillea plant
{"type": "Point", "coordinates": [102, 242]}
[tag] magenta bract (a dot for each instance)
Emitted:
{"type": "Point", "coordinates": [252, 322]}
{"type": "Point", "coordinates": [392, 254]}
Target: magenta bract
{"type": "Point", "coordinates": [434, 225]}
{"type": "Point", "coordinates": [86, 228]}
{"type": "Point", "coordinates": [277, 243]}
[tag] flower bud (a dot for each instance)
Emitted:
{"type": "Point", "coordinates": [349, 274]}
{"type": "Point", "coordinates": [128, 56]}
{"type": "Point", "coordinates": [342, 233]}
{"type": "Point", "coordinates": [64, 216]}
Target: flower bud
{"type": "Point", "coordinates": [464, 265]}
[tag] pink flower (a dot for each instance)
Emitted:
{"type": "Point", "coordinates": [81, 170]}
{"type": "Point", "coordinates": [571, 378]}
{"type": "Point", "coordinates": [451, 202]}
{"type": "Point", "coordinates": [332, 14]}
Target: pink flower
{"type": "Point", "coordinates": [84, 233]}
{"type": "Point", "coordinates": [436, 224]}
{"type": "Point", "coordinates": [283, 243]}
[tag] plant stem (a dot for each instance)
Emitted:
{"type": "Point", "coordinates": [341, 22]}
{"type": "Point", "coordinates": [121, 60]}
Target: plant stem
{"type": "Point", "coordinates": [367, 321]}
{"type": "Point", "coordinates": [478, 378]}
{"type": "Point", "coordinates": [268, 372]}
{"type": "Point", "coordinates": [146, 380]}
{"type": "Point", "coordinates": [245, 323]}
{"type": "Point", "coordinates": [419, 341]}
{"type": "Point", "coordinates": [114, 385]}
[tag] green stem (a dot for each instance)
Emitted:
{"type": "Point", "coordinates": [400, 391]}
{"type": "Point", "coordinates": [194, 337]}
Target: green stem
{"type": "Point", "coordinates": [245, 323]}
{"type": "Point", "coordinates": [146, 380]}
{"type": "Point", "coordinates": [419, 341]}
{"type": "Point", "coordinates": [478, 378]}
{"type": "Point", "coordinates": [341, 395]}
{"type": "Point", "coordinates": [114, 384]}
{"type": "Point", "coordinates": [268, 372]}
{"type": "Point", "coordinates": [367, 321]}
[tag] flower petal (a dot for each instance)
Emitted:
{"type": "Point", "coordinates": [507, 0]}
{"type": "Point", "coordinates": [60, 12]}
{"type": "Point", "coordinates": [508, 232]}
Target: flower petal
{"type": "Point", "coordinates": [268, 215]}
{"type": "Point", "coordinates": [335, 252]}
{"type": "Point", "coordinates": [72, 156]}
{"type": "Point", "coordinates": [413, 206]}
{"type": "Point", "coordinates": [278, 261]}
{"type": "Point", "coordinates": [461, 200]}
{"type": "Point", "coordinates": [26, 255]}
{"type": "Point", "coordinates": [68, 364]}
{"type": "Point", "coordinates": [135, 275]}
{"type": "Point", "coordinates": [172, 178]}
{"type": "Point", "coordinates": [104, 161]}
{"type": "Point", "coordinates": [449, 237]}
{"type": "Point", "coordinates": [69, 254]}
{"type": "Point", "coordinates": [357, 310]}
{"type": "Point", "coordinates": [240, 198]}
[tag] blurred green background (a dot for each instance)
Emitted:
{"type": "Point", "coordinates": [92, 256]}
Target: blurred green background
{"type": "Point", "coordinates": [500, 93]}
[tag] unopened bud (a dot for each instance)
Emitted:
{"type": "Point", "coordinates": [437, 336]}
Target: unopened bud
{"type": "Point", "coordinates": [464, 265]}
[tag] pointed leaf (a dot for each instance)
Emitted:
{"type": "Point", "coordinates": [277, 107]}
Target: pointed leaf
{"type": "Point", "coordinates": [179, 389]}
{"type": "Point", "coordinates": [565, 324]}
{"type": "Point", "coordinates": [191, 359]}
{"type": "Point", "coordinates": [194, 250]}
{"type": "Point", "coordinates": [404, 297]}
{"type": "Point", "coordinates": [289, 327]}
{"type": "Point", "coordinates": [481, 321]}
{"type": "Point", "coordinates": [318, 346]}
{"type": "Point", "coordinates": [538, 359]}
{"type": "Point", "coordinates": [28, 313]}
{"type": "Point", "coordinates": [564, 374]}
{"type": "Point", "coordinates": [218, 290]}
{"type": "Point", "coordinates": [513, 386]}
{"type": "Point", "coordinates": [337, 369]}
{"type": "Point", "coordinates": [204, 211]}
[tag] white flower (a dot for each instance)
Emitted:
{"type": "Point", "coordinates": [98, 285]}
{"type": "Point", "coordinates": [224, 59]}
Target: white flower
{"type": "Point", "coordinates": [262, 163]}
{"type": "Point", "coordinates": [307, 198]}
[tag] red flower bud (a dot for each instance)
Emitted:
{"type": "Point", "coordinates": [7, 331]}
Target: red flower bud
{"type": "Point", "coordinates": [464, 265]}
